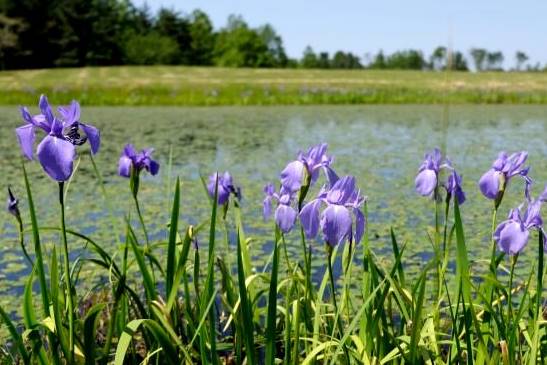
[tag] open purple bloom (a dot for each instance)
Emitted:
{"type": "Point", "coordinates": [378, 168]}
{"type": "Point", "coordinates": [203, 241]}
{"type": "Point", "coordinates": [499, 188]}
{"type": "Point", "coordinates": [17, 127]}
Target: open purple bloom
{"type": "Point", "coordinates": [311, 163]}
{"type": "Point", "coordinates": [454, 187]}
{"type": "Point", "coordinates": [57, 150]}
{"type": "Point", "coordinates": [336, 222]}
{"type": "Point", "coordinates": [285, 214]}
{"type": "Point", "coordinates": [12, 203]}
{"type": "Point", "coordinates": [512, 234]}
{"type": "Point", "coordinates": [225, 187]}
{"type": "Point", "coordinates": [503, 169]}
{"type": "Point", "coordinates": [428, 173]}
{"type": "Point", "coordinates": [130, 158]}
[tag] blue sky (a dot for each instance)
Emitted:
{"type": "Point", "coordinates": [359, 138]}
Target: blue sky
{"type": "Point", "coordinates": [367, 26]}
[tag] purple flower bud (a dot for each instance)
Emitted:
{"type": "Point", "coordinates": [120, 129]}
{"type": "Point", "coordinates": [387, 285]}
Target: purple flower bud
{"type": "Point", "coordinates": [454, 187]}
{"type": "Point", "coordinates": [428, 173]}
{"type": "Point", "coordinates": [12, 204]}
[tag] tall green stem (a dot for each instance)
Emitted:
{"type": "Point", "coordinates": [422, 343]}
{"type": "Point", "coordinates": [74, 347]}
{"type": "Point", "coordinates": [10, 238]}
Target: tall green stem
{"type": "Point", "coordinates": [68, 281]}
{"type": "Point", "coordinates": [22, 241]}
{"type": "Point", "coordinates": [333, 296]}
{"type": "Point", "coordinates": [539, 289]}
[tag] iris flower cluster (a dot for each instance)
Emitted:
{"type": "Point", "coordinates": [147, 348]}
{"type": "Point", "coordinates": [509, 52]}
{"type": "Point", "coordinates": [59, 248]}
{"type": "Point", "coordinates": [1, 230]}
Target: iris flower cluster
{"type": "Point", "coordinates": [339, 196]}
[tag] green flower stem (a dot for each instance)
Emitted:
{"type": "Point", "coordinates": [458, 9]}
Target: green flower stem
{"type": "Point", "coordinates": [68, 281]}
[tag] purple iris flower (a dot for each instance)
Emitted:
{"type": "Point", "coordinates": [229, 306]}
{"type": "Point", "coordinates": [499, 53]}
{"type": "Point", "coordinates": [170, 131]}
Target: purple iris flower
{"type": "Point", "coordinates": [335, 221]}
{"type": "Point", "coordinates": [494, 181]}
{"type": "Point", "coordinates": [428, 174]}
{"type": "Point", "coordinates": [512, 234]}
{"type": "Point", "coordinates": [130, 158]}
{"type": "Point", "coordinates": [225, 187]}
{"type": "Point", "coordinates": [285, 214]}
{"type": "Point", "coordinates": [311, 163]}
{"type": "Point", "coordinates": [12, 204]}
{"type": "Point", "coordinates": [454, 187]}
{"type": "Point", "coordinates": [543, 196]}
{"type": "Point", "coordinates": [57, 150]}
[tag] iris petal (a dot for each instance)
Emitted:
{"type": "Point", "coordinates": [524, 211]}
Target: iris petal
{"type": "Point", "coordinates": [359, 225]}
{"type": "Point", "coordinates": [426, 181]}
{"type": "Point", "coordinates": [56, 157]}
{"type": "Point", "coordinates": [309, 217]}
{"type": "Point", "coordinates": [490, 184]}
{"type": "Point", "coordinates": [26, 136]}
{"type": "Point", "coordinates": [512, 238]}
{"type": "Point", "coordinates": [292, 175]}
{"type": "Point", "coordinates": [285, 216]}
{"type": "Point", "coordinates": [336, 224]}
{"type": "Point", "coordinates": [93, 136]}
{"type": "Point", "coordinates": [124, 166]}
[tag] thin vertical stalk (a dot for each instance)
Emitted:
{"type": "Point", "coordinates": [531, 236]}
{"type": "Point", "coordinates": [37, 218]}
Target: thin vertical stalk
{"type": "Point", "coordinates": [68, 281]}
{"type": "Point", "coordinates": [333, 297]}
{"type": "Point", "coordinates": [539, 283]}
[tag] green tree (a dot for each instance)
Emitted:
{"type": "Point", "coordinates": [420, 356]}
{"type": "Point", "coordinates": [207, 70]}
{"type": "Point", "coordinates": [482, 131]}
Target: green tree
{"type": "Point", "coordinates": [520, 58]}
{"type": "Point", "coordinates": [479, 58]}
{"type": "Point", "coordinates": [406, 60]}
{"type": "Point", "coordinates": [151, 49]}
{"type": "Point", "coordinates": [379, 61]}
{"type": "Point", "coordinates": [345, 60]}
{"type": "Point", "coordinates": [323, 61]}
{"type": "Point", "coordinates": [170, 23]}
{"type": "Point", "coordinates": [309, 58]}
{"type": "Point", "coordinates": [438, 58]}
{"type": "Point", "coordinates": [494, 61]}
{"type": "Point", "coordinates": [202, 37]}
{"type": "Point", "coordinates": [457, 61]}
{"type": "Point", "coordinates": [237, 45]}
{"type": "Point", "coordinates": [9, 29]}
{"type": "Point", "coordinates": [274, 43]}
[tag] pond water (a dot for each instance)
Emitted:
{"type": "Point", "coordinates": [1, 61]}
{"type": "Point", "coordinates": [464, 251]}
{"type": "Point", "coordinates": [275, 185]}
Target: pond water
{"type": "Point", "coordinates": [381, 145]}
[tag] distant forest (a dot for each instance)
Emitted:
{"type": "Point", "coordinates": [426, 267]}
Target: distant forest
{"type": "Point", "coordinates": [74, 33]}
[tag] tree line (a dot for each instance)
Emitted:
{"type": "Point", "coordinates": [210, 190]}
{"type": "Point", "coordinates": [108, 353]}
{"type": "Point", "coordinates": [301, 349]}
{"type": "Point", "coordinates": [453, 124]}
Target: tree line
{"type": "Point", "coordinates": [75, 33]}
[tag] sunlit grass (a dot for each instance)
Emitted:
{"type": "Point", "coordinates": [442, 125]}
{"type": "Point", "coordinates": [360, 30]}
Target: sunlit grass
{"type": "Point", "coordinates": [180, 85]}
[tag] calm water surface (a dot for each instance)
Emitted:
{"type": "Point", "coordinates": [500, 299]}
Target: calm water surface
{"type": "Point", "coordinates": [381, 145]}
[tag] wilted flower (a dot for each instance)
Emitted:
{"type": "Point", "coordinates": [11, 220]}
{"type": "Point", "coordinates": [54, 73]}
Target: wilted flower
{"type": "Point", "coordinates": [57, 150]}
{"type": "Point", "coordinates": [454, 187]}
{"type": "Point", "coordinates": [335, 220]}
{"type": "Point", "coordinates": [512, 234]}
{"type": "Point", "coordinates": [285, 214]}
{"type": "Point", "coordinates": [310, 163]}
{"type": "Point", "coordinates": [495, 180]}
{"type": "Point", "coordinates": [12, 203]}
{"type": "Point", "coordinates": [130, 158]}
{"type": "Point", "coordinates": [225, 187]}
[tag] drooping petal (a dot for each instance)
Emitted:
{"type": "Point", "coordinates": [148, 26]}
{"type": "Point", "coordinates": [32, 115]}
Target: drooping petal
{"type": "Point", "coordinates": [26, 136]}
{"type": "Point", "coordinates": [124, 166]}
{"type": "Point", "coordinates": [129, 151]}
{"type": "Point", "coordinates": [336, 224]}
{"type": "Point", "coordinates": [426, 181]}
{"type": "Point", "coordinates": [153, 167]}
{"type": "Point", "coordinates": [292, 175]}
{"type": "Point", "coordinates": [490, 183]}
{"type": "Point", "coordinates": [360, 224]}
{"type": "Point", "coordinates": [512, 238]}
{"type": "Point", "coordinates": [309, 217]}
{"type": "Point", "coordinates": [56, 157]}
{"type": "Point", "coordinates": [93, 136]}
{"type": "Point", "coordinates": [543, 196]}
{"type": "Point", "coordinates": [285, 217]}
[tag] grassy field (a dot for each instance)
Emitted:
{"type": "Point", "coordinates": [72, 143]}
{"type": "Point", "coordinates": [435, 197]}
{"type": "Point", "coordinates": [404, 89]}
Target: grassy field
{"type": "Point", "coordinates": [178, 85]}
